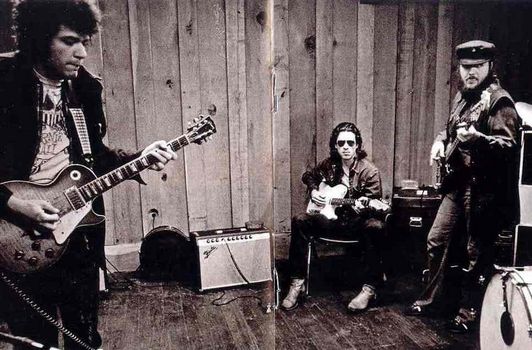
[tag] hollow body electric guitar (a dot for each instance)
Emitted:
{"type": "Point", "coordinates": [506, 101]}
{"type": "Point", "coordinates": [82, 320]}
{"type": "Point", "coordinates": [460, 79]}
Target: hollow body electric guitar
{"type": "Point", "coordinates": [25, 248]}
{"type": "Point", "coordinates": [334, 197]}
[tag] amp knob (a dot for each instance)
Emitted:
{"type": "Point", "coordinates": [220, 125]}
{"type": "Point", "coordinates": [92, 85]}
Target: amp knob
{"type": "Point", "coordinates": [33, 261]}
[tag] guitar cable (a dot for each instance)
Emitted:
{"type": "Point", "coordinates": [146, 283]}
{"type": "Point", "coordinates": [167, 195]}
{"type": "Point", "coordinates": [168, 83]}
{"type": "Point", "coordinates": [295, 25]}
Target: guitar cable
{"type": "Point", "coordinates": [122, 283]}
{"type": "Point", "coordinates": [27, 342]}
{"type": "Point", "coordinates": [49, 318]}
{"type": "Point", "coordinates": [235, 264]}
{"type": "Point", "coordinates": [267, 308]}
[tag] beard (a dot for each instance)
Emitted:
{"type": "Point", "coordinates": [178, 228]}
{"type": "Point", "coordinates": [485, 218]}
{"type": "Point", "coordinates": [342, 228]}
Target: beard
{"type": "Point", "coordinates": [475, 92]}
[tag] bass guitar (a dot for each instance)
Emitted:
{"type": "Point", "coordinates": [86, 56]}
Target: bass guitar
{"type": "Point", "coordinates": [445, 170]}
{"type": "Point", "coordinates": [25, 248]}
{"type": "Point", "coordinates": [335, 197]}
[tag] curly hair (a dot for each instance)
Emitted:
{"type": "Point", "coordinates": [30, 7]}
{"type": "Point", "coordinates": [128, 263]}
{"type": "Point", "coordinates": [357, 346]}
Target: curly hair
{"type": "Point", "coordinates": [38, 21]}
{"type": "Point", "coordinates": [350, 127]}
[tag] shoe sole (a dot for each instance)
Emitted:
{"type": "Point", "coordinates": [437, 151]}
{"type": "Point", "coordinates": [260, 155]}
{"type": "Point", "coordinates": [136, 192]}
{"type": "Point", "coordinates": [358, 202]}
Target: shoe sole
{"type": "Point", "coordinates": [425, 312]}
{"type": "Point", "coordinates": [300, 300]}
{"type": "Point", "coordinates": [296, 305]}
{"type": "Point", "coordinates": [371, 304]}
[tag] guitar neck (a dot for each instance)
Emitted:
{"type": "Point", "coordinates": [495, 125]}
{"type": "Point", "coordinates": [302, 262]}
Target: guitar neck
{"type": "Point", "coordinates": [343, 201]}
{"type": "Point", "coordinates": [451, 150]}
{"type": "Point", "coordinates": [98, 186]}
{"type": "Point", "coordinates": [470, 120]}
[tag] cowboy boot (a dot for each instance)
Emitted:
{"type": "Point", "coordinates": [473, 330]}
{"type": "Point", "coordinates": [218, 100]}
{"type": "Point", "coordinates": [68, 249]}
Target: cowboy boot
{"type": "Point", "coordinates": [297, 286]}
{"type": "Point", "coordinates": [363, 299]}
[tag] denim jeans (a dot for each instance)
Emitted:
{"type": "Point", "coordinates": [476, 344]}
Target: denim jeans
{"type": "Point", "coordinates": [463, 234]}
{"type": "Point", "coordinates": [369, 230]}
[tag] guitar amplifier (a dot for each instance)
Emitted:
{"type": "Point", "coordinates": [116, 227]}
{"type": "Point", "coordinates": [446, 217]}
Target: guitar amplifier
{"type": "Point", "coordinates": [232, 256]}
{"type": "Point", "coordinates": [414, 211]}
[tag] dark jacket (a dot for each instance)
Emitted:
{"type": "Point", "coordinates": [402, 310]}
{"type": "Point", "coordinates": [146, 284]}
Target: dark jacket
{"type": "Point", "coordinates": [364, 177]}
{"type": "Point", "coordinates": [489, 164]}
{"type": "Point", "coordinates": [20, 130]}
{"type": "Point", "coordinates": [364, 180]}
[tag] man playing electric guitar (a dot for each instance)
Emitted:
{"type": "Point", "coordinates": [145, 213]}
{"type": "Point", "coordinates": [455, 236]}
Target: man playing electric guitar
{"type": "Point", "coordinates": [41, 89]}
{"type": "Point", "coordinates": [348, 170]}
{"type": "Point", "coordinates": [480, 191]}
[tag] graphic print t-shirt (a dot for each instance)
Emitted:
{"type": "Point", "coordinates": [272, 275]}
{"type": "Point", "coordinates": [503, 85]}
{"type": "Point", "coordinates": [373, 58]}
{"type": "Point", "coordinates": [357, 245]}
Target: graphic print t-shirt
{"type": "Point", "coordinates": [53, 148]}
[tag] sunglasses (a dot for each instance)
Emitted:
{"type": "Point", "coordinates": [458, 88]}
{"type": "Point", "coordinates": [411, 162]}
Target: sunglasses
{"type": "Point", "coordinates": [341, 143]}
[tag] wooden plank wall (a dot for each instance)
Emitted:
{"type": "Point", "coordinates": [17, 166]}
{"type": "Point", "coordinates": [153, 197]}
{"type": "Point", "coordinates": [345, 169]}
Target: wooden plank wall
{"type": "Point", "coordinates": [388, 67]}
{"type": "Point", "coordinates": [164, 62]}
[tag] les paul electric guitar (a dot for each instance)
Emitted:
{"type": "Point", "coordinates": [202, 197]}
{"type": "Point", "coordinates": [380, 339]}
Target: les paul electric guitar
{"type": "Point", "coordinates": [335, 197]}
{"type": "Point", "coordinates": [25, 248]}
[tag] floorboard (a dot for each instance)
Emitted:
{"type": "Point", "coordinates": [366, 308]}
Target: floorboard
{"type": "Point", "coordinates": [168, 315]}
{"type": "Point", "coordinates": [323, 322]}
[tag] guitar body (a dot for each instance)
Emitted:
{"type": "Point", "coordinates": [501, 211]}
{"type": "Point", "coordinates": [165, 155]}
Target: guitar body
{"type": "Point", "coordinates": [25, 248]}
{"type": "Point", "coordinates": [338, 191]}
{"type": "Point", "coordinates": [334, 197]}
{"type": "Point", "coordinates": [447, 172]}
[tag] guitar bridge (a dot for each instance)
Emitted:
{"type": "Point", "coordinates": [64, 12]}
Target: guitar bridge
{"type": "Point", "coordinates": [74, 197]}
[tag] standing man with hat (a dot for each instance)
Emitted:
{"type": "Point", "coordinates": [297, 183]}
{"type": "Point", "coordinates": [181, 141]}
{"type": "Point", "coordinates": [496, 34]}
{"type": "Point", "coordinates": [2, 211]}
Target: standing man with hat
{"type": "Point", "coordinates": [480, 149]}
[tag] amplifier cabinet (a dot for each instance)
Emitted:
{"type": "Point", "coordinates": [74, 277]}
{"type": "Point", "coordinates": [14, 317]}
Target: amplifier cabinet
{"type": "Point", "coordinates": [413, 214]}
{"type": "Point", "coordinates": [523, 246]}
{"type": "Point", "coordinates": [525, 179]}
{"type": "Point", "coordinates": [232, 256]}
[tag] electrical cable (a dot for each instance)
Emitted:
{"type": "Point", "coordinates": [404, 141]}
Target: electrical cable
{"type": "Point", "coordinates": [215, 303]}
{"type": "Point", "coordinates": [126, 280]}
{"type": "Point", "coordinates": [260, 303]}
{"type": "Point", "coordinates": [235, 264]}
{"type": "Point", "coordinates": [45, 315]}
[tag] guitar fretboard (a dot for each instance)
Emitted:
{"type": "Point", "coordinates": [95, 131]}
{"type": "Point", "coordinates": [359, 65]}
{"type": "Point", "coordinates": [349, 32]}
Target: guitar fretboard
{"type": "Point", "coordinates": [343, 201]}
{"type": "Point", "coordinates": [474, 114]}
{"type": "Point", "coordinates": [105, 182]}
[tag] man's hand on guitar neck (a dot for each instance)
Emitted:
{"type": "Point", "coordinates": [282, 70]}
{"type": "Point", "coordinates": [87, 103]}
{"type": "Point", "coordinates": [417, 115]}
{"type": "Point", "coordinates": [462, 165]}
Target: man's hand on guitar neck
{"type": "Point", "coordinates": [161, 151]}
{"type": "Point", "coordinates": [39, 211]}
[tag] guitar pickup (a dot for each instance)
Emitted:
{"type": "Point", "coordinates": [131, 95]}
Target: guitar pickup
{"type": "Point", "coordinates": [74, 197]}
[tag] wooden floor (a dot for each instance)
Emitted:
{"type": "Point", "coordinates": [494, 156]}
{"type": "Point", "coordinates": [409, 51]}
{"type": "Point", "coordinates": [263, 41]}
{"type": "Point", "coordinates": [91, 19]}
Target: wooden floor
{"type": "Point", "coordinates": [149, 315]}
{"type": "Point", "coordinates": [323, 322]}
{"type": "Point", "coordinates": [169, 316]}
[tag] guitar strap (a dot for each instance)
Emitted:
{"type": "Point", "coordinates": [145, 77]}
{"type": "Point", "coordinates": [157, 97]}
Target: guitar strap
{"type": "Point", "coordinates": [83, 135]}
{"type": "Point", "coordinates": [80, 125]}
{"type": "Point", "coordinates": [455, 114]}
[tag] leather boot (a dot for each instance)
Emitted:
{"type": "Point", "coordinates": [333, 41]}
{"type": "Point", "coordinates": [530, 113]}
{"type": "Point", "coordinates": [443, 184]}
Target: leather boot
{"type": "Point", "coordinates": [297, 287]}
{"type": "Point", "coordinates": [363, 299]}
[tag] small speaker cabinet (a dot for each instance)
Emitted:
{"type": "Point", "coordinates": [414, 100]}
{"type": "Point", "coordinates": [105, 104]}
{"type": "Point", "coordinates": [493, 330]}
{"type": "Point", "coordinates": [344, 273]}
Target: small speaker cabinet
{"type": "Point", "coordinates": [414, 211]}
{"type": "Point", "coordinates": [523, 246]}
{"type": "Point", "coordinates": [525, 179]}
{"type": "Point", "coordinates": [233, 256]}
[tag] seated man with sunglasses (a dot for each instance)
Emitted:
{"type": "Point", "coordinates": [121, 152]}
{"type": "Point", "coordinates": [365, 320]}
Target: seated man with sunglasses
{"type": "Point", "coordinates": [346, 166]}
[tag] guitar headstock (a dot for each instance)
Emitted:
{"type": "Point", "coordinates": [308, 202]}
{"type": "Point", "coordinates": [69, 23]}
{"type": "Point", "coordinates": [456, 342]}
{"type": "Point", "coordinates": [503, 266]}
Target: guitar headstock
{"type": "Point", "coordinates": [201, 128]}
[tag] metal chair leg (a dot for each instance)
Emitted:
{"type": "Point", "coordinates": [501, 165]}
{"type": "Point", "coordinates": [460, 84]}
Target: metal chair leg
{"type": "Point", "coordinates": [309, 257]}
